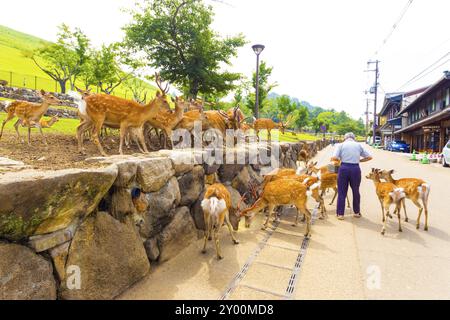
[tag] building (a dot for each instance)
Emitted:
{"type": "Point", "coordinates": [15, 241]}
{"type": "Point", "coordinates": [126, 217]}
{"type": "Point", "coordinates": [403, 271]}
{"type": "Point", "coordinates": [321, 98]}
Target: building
{"type": "Point", "coordinates": [390, 119]}
{"type": "Point", "coordinates": [426, 120]}
{"type": "Point", "coordinates": [389, 122]}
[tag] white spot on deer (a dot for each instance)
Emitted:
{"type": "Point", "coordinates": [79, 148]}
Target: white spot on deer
{"type": "Point", "coordinates": [306, 180]}
{"type": "Point", "coordinates": [398, 194]}
{"type": "Point", "coordinates": [214, 206]}
{"type": "Point", "coordinates": [315, 186]}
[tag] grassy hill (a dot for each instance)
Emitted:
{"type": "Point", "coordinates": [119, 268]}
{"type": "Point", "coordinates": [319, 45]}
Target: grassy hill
{"type": "Point", "coordinates": [20, 71]}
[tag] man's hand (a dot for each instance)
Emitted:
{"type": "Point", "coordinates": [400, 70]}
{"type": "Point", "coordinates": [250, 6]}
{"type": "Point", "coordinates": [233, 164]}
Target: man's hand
{"type": "Point", "coordinates": [335, 159]}
{"type": "Point", "coordinates": [366, 159]}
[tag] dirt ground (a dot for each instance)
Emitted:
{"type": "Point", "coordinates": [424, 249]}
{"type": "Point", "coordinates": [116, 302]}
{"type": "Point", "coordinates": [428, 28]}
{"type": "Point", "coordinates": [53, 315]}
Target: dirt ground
{"type": "Point", "coordinates": [61, 152]}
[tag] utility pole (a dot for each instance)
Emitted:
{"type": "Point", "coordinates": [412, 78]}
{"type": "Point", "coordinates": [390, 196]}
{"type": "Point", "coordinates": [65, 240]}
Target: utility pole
{"type": "Point", "coordinates": [375, 92]}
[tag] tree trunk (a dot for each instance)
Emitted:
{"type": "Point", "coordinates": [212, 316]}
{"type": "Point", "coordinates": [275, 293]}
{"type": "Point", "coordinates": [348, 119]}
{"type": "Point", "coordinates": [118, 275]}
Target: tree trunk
{"type": "Point", "coordinates": [62, 84]}
{"type": "Point", "coordinates": [193, 91]}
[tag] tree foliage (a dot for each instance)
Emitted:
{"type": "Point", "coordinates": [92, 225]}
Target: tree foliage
{"type": "Point", "coordinates": [265, 87]}
{"type": "Point", "coordinates": [177, 38]}
{"type": "Point", "coordinates": [64, 60]}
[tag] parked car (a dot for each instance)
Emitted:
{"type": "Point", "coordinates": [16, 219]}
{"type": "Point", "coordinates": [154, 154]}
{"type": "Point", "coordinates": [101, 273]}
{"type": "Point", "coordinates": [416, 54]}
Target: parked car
{"type": "Point", "coordinates": [446, 154]}
{"type": "Point", "coordinates": [398, 146]}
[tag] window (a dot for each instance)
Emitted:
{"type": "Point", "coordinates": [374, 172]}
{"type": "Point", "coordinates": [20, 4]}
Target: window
{"type": "Point", "coordinates": [433, 105]}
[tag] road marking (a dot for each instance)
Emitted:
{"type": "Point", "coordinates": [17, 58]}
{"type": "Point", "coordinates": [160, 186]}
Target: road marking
{"type": "Point", "coordinates": [241, 274]}
{"type": "Point", "coordinates": [274, 265]}
{"type": "Point", "coordinates": [292, 285]}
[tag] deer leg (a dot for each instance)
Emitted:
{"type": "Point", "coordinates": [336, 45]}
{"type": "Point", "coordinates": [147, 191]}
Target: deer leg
{"type": "Point", "coordinates": [386, 208]}
{"type": "Point", "coordinates": [399, 209]}
{"type": "Point", "coordinates": [271, 211]}
{"type": "Point", "coordinates": [382, 210]}
{"type": "Point", "coordinates": [216, 236]}
{"type": "Point", "coordinates": [38, 125]}
{"type": "Point", "coordinates": [16, 126]}
{"type": "Point", "coordinates": [230, 227]}
{"type": "Point", "coordinates": [302, 207]}
{"type": "Point", "coordinates": [84, 127]}
{"type": "Point", "coordinates": [335, 195]}
{"type": "Point", "coordinates": [425, 205]}
{"type": "Point", "coordinates": [123, 133]}
{"type": "Point", "coordinates": [207, 219]}
{"type": "Point", "coordinates": [95, 136]}
{"type": "Point", "coordinates": [8, 118]}
{"type": "Point", "coordinates": [418, 205]}
{"type": "Point", "coordinates": [404, 208]}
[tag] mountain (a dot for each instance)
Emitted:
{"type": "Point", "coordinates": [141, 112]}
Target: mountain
{"type": "Point", "coordinates": [274, 95]}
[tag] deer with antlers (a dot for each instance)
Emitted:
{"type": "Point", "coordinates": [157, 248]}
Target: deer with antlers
{"type": "Point", "coordinates": [29, 114]}
{"type": "Point", "coordinates": [281, 193]}
{"type": "Point", "coordinates": [269, 125]}
{"type": "Point", "coordinates": [388, 194]}
{"type": "Point", "coordinates": [415, 190]}
{"type": "Point", "coordinates": [216, 209]}
{"type": "Point", "coordinates": [118, 112]}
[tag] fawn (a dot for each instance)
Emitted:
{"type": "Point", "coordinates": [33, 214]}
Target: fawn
{"type": "Point", "coordinates": [29, 114]}
{"type": "Point", "coordinates": [216, 209]}
{"type": "Point", "coordinates": [388, 194]}
{"type": "Point", "coordinates": [415, 190]}
{"type": "Point", "coordinates": [280, 193]}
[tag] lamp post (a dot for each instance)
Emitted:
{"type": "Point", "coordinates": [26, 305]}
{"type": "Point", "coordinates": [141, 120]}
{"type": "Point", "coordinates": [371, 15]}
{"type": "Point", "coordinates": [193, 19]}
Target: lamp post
{"type": "Point", "coordinates": [258, 49]}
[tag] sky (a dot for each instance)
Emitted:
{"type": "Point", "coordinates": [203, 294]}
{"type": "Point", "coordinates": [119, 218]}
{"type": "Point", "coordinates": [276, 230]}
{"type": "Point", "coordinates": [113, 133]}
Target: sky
{"type": "Point", "coordinates": [319, 49]}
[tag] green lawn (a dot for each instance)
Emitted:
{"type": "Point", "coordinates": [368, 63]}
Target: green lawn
{"type": "Point", "coordinates": [63, 126]}
{"type": "Point", "coordinates": [25, 73]}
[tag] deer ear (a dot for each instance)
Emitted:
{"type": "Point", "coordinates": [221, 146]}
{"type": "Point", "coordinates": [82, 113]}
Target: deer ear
{"type": "Point", "coordinates": [158, 94]}
{"type": "Point", "coordinates": [42, 92]}
{"type": "Point", "coordinates": [392, 171]}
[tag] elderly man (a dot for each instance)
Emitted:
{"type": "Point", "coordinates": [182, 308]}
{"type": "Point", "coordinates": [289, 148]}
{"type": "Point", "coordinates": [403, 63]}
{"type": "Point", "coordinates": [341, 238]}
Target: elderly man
{"type": "Point", "coordinates": [351, 154]}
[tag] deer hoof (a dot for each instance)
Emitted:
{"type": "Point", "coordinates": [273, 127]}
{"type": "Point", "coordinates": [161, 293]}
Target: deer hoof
{"type": "Point", "coordinates": [210, 239]}
{"type": "Point", "coordinates": [383, 232]}
{"type": "Point", "coordinates": [219, 258]}
{"type": "Point", "coordinates": [236, 242]}
{"type": "Point", "coordinates": [426, 229]}
{"type": "Point", "coordinates": [406, 220]}
{"type": "Point", "coordinates": [400, 230]}
{"type": "Point", "coordinates": [203, 251]}
{"type": "Point", "coordinates": [418, 227]}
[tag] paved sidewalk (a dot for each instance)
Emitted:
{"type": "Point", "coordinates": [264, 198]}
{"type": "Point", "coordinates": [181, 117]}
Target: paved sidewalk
{"type": "Point", "coordinates": [344, 259]}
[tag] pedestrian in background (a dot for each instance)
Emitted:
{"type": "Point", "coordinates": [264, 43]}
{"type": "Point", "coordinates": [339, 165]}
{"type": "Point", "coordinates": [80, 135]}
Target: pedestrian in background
{"type": "Point", "coordinates": [351, 154]}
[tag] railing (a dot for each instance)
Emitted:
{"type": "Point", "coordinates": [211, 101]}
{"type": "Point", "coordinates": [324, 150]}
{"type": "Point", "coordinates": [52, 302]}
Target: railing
{"type": "Point", "coordinates": [20, 80]}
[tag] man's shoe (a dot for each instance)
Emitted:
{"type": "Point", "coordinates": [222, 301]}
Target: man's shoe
{"type": "Point", "coordinates": [357, 215]}
{"type": "Point", "coordinates": [341, 218]}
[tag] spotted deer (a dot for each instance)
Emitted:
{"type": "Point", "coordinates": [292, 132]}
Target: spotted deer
{"type": "Point", "coordinates": [29, 114]}
{"type": "Point", "coordinates": [269, 125]}
{"type": "Point", "coordinates": [388, 194]}
{"type": "Point", "coordinates": [216, 207]}
{"type": "Point", "coordinates": [416, 190]}
{"type": "Point", "coordinates": [281, 193]}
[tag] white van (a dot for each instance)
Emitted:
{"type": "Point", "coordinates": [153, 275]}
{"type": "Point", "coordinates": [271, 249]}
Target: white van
{"type": "Point", "coordinates": [446, 154]}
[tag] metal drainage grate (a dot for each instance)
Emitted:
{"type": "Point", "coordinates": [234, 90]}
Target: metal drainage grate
{"type": "Point", "coordinates": [241, 274]}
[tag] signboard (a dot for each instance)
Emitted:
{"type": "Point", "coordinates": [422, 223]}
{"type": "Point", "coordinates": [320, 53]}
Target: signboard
{"type": "Point", "coordinates": [323, 129]}
{"type": "Point", "coordinates": [431, 128]}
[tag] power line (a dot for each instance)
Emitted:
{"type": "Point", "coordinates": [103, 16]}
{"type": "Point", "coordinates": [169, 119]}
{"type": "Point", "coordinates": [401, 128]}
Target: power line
{"type": "Point", "coordinates": [423, 73]}
{"type": "Point", "coordinates": [395, 26]}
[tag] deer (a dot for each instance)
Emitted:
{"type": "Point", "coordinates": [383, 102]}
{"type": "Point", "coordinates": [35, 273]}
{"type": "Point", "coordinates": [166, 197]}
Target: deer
{"type": "Point", "coordinates": [269, 125]}
{"type": "Point", "coordinates": [167, 120]}
{"type": "Point", "coordinates": [312, 167]}
{"type": "Point", "coordinates": [388, 194]}
{"type": "Point", "coordinates": [3, 83]}
{"type": "Point", "coordinates": [46, 124]}
{"type": "Point", "coordinates": [303, 156]}
{"type": "Point", "coordinates": [328, 180]}
{"type": "Point", "coordinates": [118, 112]}
{"type": "Point", "coordinates": [29, 114]}
{"type": "Point", "coordinates": [415, 190]}
{"type": "Point", "coordinates": [280, 193]}
{"type": "Point", "coordinates": [216, 207]}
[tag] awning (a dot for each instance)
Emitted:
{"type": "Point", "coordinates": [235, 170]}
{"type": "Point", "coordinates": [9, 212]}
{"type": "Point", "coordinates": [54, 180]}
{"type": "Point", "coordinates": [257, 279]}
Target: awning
{"type": "Point", "coordinates": [395, 121]}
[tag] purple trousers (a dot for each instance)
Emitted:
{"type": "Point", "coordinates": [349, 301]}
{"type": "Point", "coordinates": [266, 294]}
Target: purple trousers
{"type": "Point", "coordinates": [349, 175]}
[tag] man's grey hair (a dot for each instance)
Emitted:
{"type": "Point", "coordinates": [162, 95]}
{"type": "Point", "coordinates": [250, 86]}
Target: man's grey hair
{"type": "Point", "coordinates": [350, 135]}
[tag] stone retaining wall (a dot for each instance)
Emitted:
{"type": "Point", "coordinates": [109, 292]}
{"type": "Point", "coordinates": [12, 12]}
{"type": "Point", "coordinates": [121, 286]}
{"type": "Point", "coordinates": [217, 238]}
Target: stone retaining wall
{"type": "Point", "coordinates": [102, 228]}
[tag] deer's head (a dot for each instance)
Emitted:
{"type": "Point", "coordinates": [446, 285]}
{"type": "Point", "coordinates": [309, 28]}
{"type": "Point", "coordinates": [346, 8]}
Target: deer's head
{"type": "Point", "coordinates": [374, 175]}
{"type": "Point", "coordinates": [386, 175]}
{"type": "Point", "coordinates": [160, 101]}
{"type": "Point", "coordinates": [48, 98]}
{"type": "Point", "coordinates": [311, 168]}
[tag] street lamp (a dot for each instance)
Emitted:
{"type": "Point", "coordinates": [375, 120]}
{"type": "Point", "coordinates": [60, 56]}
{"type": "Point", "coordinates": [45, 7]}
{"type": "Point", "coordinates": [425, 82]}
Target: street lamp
{"type": "Point", "coordinates": [258, 49]}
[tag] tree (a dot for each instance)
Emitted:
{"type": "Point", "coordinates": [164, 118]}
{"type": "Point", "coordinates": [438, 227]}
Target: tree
{"type": "Point", "coordinates": [301, 117]}
{"type": "Point", "coordinates": [106, 68]}
{"type": "Point", "coordinates": [264, 88]}
{"type": "Point", "coordinates": [327, 119]}
{"type": "Point", "coordinates": [64, 60]}
{"type": "Point", "coordinates": [177, 38]}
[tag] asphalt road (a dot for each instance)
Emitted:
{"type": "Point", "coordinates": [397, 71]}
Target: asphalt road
{"type": "Point", "coordinates": [343, 260]}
